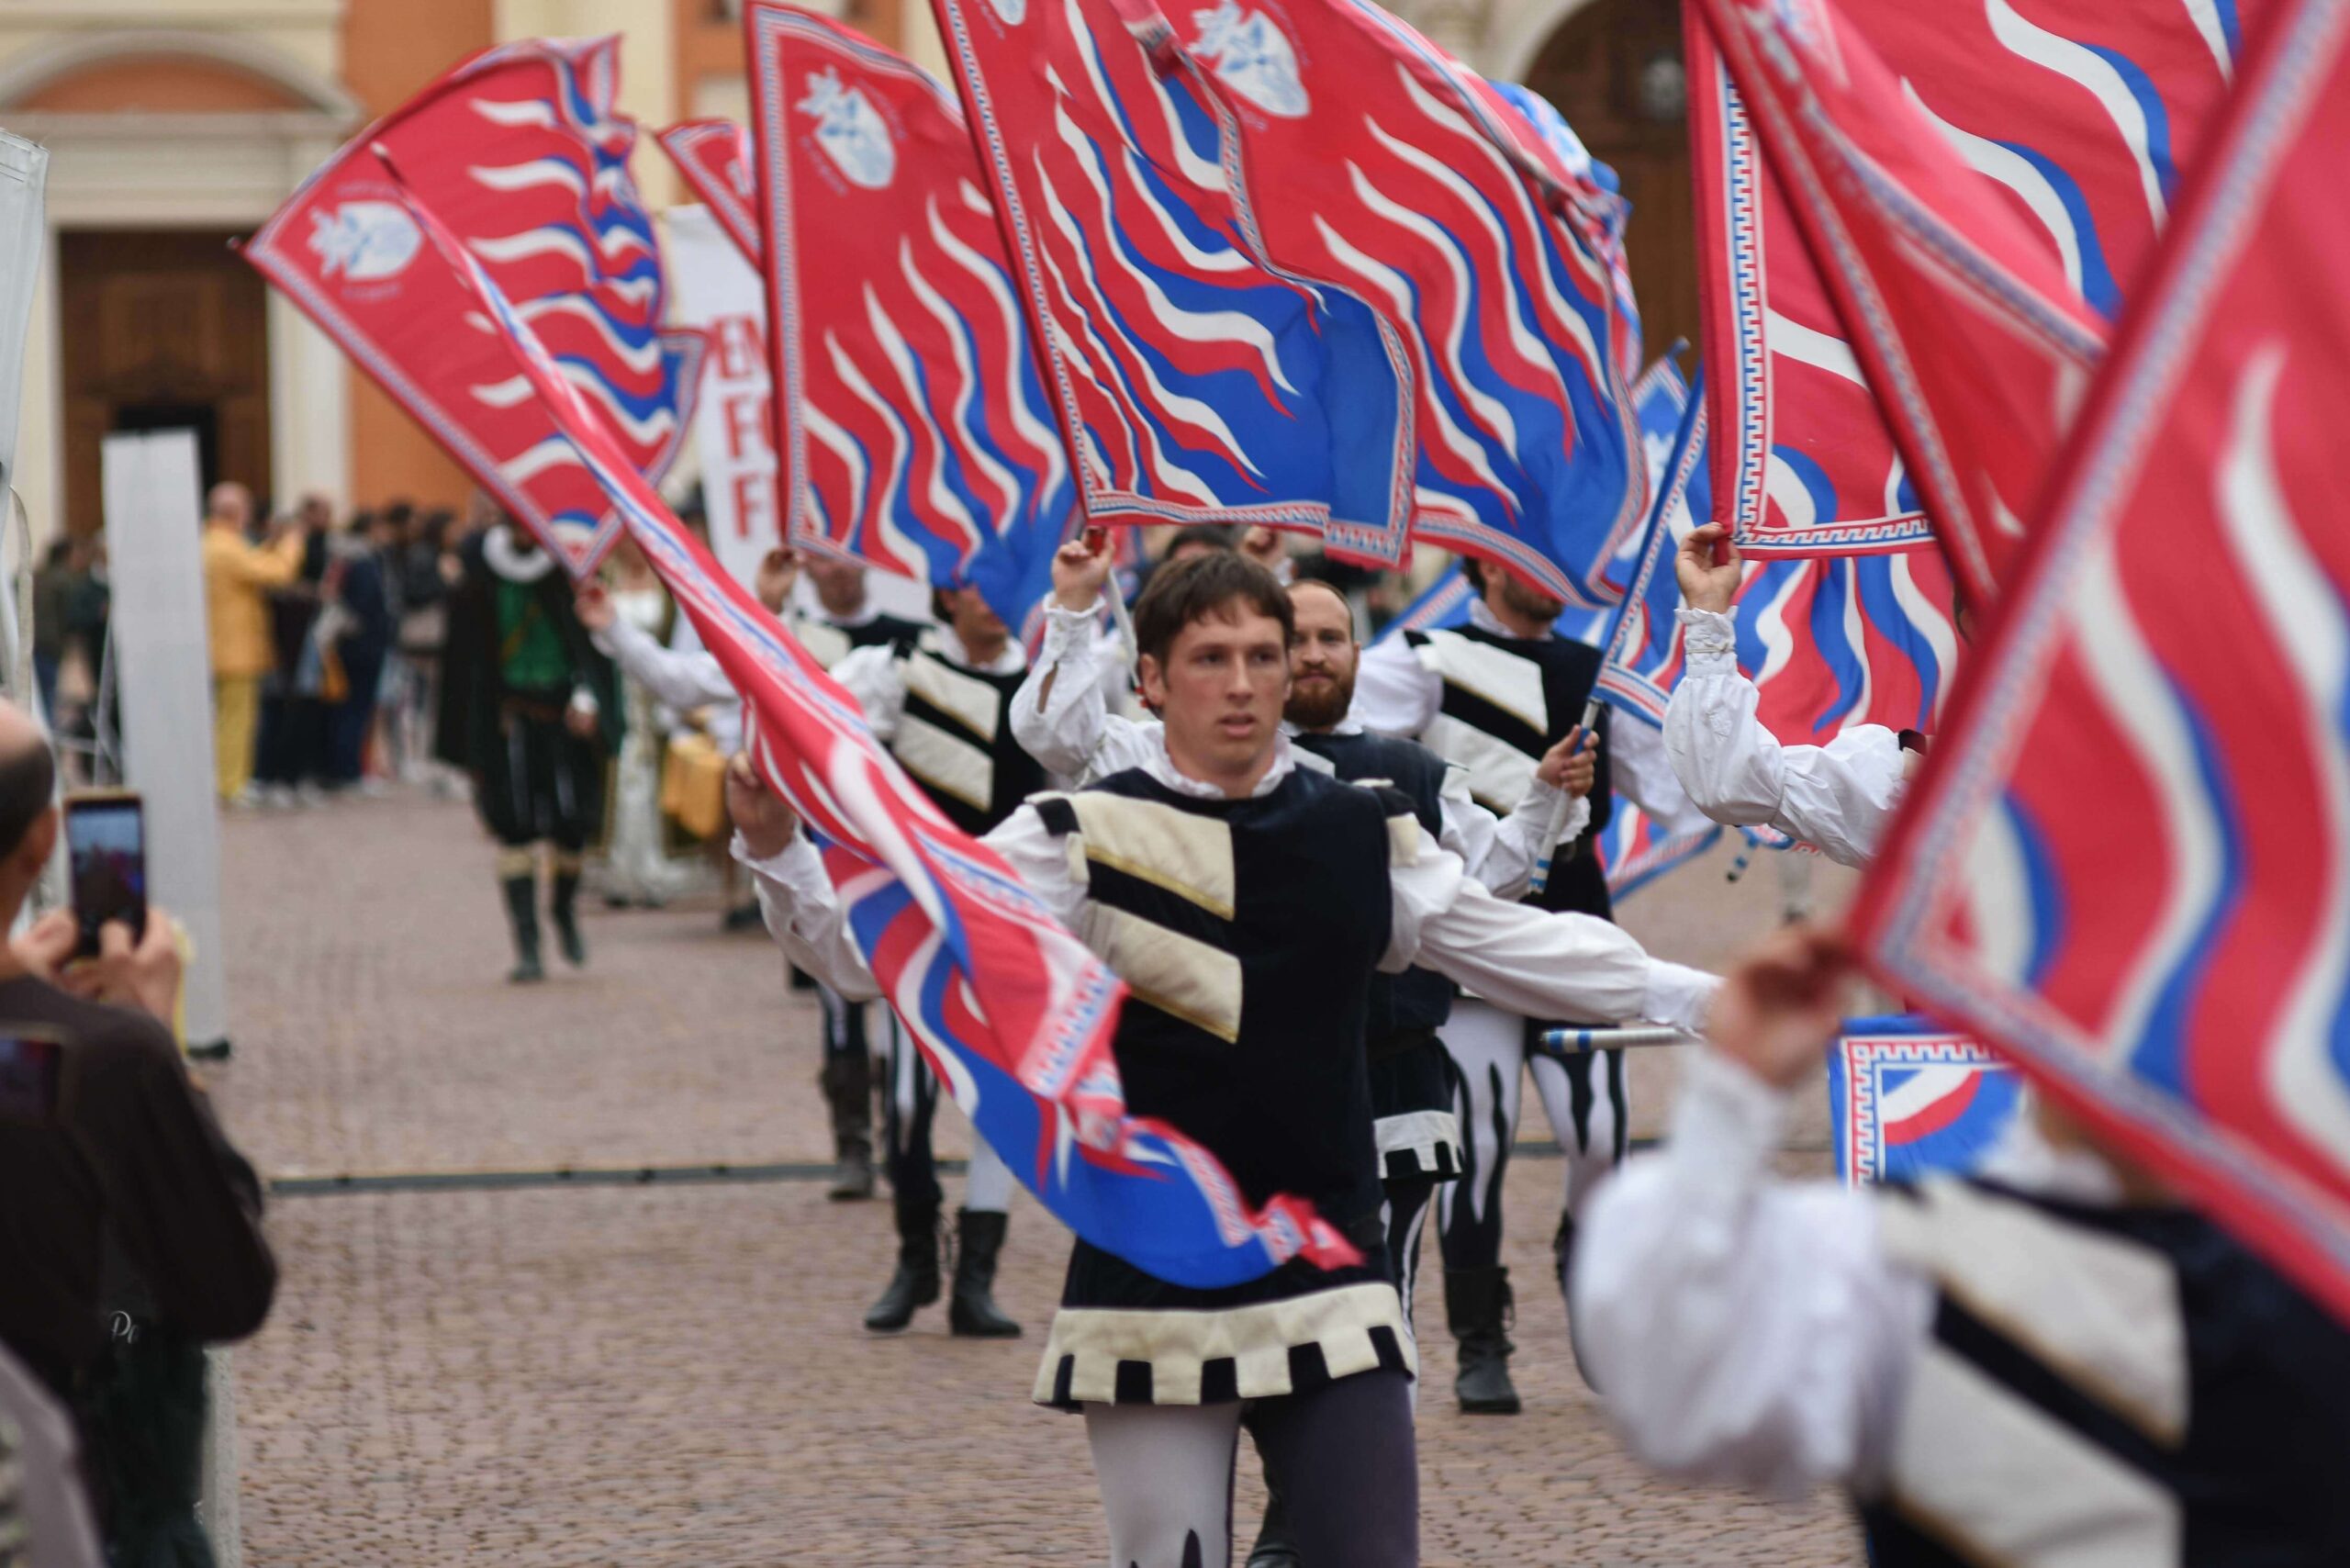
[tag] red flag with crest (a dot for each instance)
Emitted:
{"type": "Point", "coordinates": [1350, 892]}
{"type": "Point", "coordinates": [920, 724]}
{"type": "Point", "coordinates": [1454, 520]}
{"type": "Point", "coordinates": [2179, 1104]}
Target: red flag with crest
{"type": "Point", "coordinates": [521, 150]}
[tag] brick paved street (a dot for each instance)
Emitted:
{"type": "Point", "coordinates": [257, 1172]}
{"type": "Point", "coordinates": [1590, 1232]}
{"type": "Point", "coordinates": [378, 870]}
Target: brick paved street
{"type": "Point", "coordinates": [673, 1373]}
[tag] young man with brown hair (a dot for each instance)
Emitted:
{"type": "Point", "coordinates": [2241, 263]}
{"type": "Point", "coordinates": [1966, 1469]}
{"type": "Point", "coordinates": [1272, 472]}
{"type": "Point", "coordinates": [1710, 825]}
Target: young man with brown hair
{"type": "Point", "coordinates": [1247, 902]}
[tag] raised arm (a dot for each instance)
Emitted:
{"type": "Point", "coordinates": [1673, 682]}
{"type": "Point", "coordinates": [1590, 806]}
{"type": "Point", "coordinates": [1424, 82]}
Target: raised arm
{"type": "Point", "coordinates": [1061, 713]}
{"type": "Point", "coordinates": [1504, 854]}
{"type": "Point", "coordinates": [1837, 797]}
{"type": "Point", "coordinates": [680, 680]}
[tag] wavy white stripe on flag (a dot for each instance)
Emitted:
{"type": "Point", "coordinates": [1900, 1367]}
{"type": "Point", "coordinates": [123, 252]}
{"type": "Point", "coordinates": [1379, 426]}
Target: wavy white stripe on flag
{"type": "Point", "coordinates": [2126, 861]}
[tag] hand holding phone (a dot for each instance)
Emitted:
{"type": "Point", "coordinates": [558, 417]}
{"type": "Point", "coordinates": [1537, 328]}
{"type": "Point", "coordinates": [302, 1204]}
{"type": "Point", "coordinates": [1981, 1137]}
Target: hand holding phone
{"type": "Point", "coordinates": [106, 845]}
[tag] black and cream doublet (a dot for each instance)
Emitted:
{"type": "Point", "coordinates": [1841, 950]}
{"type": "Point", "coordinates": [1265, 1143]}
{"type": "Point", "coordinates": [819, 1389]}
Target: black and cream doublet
{"type": "Point", "coordinates": [955, 737]}
{"type": "Point", "coordinates": [1248, 933]}
{"type": "Point", "coordinates": [1507, 700]}
{"type": "Point", "coordinates": [832, 641]}
{"type": "Point", "coordinates": [2108, 1385]}
{"type": "Point", "coordinates": [1411, 1074]}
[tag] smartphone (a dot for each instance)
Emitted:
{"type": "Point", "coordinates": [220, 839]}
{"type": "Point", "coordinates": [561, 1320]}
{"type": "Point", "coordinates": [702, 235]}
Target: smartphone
{"type": "Point", "coordinates": [29, 1075]}
{"type": "Point", "coordinates": [105, 846]}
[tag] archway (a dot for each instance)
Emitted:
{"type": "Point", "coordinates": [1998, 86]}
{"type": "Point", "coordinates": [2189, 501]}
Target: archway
{"type": "Point", "coordinates": [162, 144]}
{"type": "Point", "coordinates": [1614, 68]}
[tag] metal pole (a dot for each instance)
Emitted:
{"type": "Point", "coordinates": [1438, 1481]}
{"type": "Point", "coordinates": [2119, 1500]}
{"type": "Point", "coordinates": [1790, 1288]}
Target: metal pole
{"type": "Point", "coordinates": [1578, 1042]}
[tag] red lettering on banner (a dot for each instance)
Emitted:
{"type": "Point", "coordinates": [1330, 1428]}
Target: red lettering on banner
{"type": "Point", "coordinates": [740, 347]}
{"type": "Point", "coordinates": [746, 425]}
{"type": "Point", "coordinates": [754, 501]}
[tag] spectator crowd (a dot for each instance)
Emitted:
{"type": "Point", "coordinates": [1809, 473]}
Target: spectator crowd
{"type": "Point", "coordinates": [326, 642]}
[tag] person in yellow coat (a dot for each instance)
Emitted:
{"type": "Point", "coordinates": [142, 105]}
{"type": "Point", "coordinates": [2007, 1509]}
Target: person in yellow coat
{"type": "Point", "coordinates": [237, 577]}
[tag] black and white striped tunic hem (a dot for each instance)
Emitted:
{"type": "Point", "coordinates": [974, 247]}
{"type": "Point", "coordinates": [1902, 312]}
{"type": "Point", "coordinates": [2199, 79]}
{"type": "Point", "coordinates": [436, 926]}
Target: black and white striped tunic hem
{"type": "Point", "coordinates": [1292, 1345]}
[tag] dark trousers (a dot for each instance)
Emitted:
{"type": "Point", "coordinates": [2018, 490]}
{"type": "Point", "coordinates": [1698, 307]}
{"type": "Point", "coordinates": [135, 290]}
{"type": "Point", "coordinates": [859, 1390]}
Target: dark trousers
{"type": "Point", "coordinates": [292, 744]}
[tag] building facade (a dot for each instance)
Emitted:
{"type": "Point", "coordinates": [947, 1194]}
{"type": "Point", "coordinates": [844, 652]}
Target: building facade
{"type": "Point", "coordinates": [175, 127]}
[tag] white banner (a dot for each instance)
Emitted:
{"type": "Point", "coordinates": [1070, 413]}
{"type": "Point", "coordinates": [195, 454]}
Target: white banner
{"type": "Point", "coordinates": [733, 435]}
{"type": "Point", "coordinates": [24, 169]}
{"type": "Point", "coordinates": [153, 535]}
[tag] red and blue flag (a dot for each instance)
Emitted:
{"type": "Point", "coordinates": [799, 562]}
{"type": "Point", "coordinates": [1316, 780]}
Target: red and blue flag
{"type": "Point", "coordinates": [1194, 385]}
{"type": "Point", "coordinates": [1367, 160]}
{"type": "Point", "coordinates": [1013, 1012]}
{"type": "Point", "coordinates": [1848, 281]}
{"type": "Point", "coordinates": [2127, 863]}
{"type": "Point", "coordinates": [714, 157]}
{"type": "Point", "coordinates": [523, 153]}
{"type": "Point", "coordinates": [1907, 1099]}
{"type": "Point", "coordinates": [910, 418]}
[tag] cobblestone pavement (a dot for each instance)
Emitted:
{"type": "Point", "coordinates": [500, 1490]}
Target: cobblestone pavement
{"type": "Point", "coordinates": [673, 1373]}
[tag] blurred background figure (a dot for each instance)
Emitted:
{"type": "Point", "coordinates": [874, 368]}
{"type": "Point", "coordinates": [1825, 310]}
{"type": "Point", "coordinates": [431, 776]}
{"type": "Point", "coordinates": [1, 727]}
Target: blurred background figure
{"type": "Point", "coordinates": [532, 712]}
{"type": "Point", "coordinates": [424, 560]}
{"type": "Point", "coordinates": [290, 754]}
{"type": "Point", "coordinates": [637, 868]}
{"type": "Point", "coordinates": [237, 576]}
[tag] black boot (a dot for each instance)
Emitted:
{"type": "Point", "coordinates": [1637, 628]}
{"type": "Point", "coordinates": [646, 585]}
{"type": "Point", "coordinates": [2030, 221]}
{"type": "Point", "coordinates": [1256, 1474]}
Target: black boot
{"type": "Point", "coordinates": [847, 1082]}
{"type": "Point", "coordinates": [1275, 1548]}
{"type": "Point", "coordinates": [565, 906]}
{"type": "Point", "coordinates": [1477, 1302]}
{"type": "Point", "coordinates": [523, 916]}
{"type": "Point", "coordinates": [971, 1311]}
{"type": "Point", "coordinates": [916, 1282]}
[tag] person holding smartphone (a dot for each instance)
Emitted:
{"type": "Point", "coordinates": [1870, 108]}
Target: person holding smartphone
{"type": "Point", "coordinates": [107, 1149]}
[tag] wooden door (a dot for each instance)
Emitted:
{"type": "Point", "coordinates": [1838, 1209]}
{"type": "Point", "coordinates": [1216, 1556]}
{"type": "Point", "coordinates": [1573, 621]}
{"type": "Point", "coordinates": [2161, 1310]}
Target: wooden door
{"type": "Point", "coordinates": [161, 332]}
{"type": "Point", "coordinates": [1615, 69]}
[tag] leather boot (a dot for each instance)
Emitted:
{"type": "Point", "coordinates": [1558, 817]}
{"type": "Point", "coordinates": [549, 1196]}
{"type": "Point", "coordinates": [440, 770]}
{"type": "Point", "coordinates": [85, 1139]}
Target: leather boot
{"type": "Point", "coordinates": [1477, 1304]}
{"type": "Point", "coordinates": [971, 1311]}
{"type": "Point", "coordinates": [915, 1285]}
{"type": "Point", "coordinates": [563, 904]}
{"type": "Point", "coordinates": [523, 916]}
{"type": "Point", "coordinates": [847, 1082]}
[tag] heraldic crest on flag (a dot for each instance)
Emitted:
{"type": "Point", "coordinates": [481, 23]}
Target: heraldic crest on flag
{"type": "Point", "coordinates": [713, 156]}
{"type": "Point", "coordinates": [2127, 859]}
{"type": "Point", "coordinates": [1011, 1011]}
{"type": "Point", "coordinates": [910, 415]}
{"type": "Point", "coordinates": [1196, 382]}
{"type": "Point", "coordinates": [1434, 200]}
{"type": "Point", "coordinates": [522, 151]}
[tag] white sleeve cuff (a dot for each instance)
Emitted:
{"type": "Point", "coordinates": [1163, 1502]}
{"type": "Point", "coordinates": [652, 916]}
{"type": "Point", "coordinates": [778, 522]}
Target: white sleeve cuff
{"type": "Point", "coordinates": [1709, 640]}
{"type": "Point", "coordinates": [1678, 995]}
{"type": "Point", "coordinates": [1728, 1124]}
{"type": "Point", "coordinates": [1064, 628]}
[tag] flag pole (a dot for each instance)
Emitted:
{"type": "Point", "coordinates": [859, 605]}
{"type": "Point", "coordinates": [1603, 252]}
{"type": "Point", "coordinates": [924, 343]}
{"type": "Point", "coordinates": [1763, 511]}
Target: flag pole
{"type": "Point", "coordinates": [1619, 620]}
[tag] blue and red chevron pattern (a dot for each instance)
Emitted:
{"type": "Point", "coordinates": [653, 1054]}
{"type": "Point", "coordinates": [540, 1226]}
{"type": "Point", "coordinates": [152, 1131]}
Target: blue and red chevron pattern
{"type": "Point", "coordinates": [1013, 1012]}
{"type": "Point", "coordinates": [2128, 860]}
